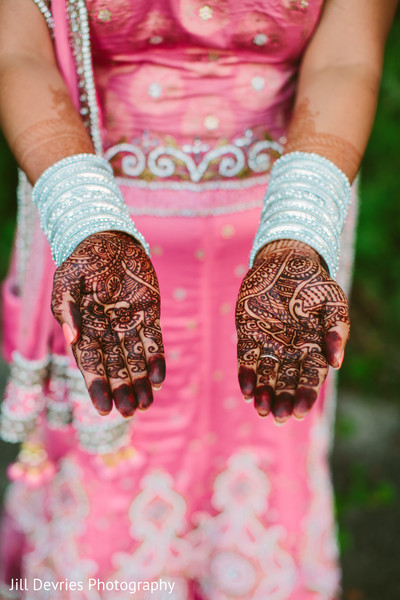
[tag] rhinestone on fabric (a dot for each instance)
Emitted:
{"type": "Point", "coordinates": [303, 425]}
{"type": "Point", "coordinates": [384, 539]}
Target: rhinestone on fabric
{"type": "Point", "coordinates": [104, 15]}
{"type": "Point", "coordinates": [44, 9]}
{"type": "Point", "coordinates": [155, 90]}
{"type": "Point", "coordinates": [213, 56]}
{"type": "Point", "coordinates": [200, 254]}
{"type": "Point", "coordinates": [260, 39]}
{"type": "Point", "coordinates": [155, 40]}
{"type": "Point", "coordinates": [245, 155]}
{"type": "Point", "coordinates": [228, 231]}
{"type": "Point", "coordinates": [80, 37]}
{"type": "Point", "coordinates": [24, 398]}
{"type": "Point", "coordinates": [206, 12]}
{"type": "Point", "coordinates": [26, 215]}
{"type": "Point", "coordinates": [179, 294]}
{"type": "Point", "coordinates": [211, 122]}
{"type": "Point", "coordinates": [296, 4]}
{"type": "Point", "coordinates": [258, 83]}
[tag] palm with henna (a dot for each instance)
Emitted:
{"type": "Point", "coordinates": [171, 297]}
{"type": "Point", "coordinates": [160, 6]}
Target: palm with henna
{"type": "Point", "coordinates": [291, 309]}
{"type": "Point", "coordinates": [107, 293]}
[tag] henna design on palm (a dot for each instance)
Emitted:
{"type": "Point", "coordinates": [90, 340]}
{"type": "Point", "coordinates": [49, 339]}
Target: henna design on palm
{"type": "Point", "coordinates": [107, 292]}
{"type": "Point", "coordinates": [289, 308]}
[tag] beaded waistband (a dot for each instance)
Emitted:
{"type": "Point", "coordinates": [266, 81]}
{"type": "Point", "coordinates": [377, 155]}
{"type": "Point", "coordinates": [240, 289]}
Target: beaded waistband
{"type": "Point", "coordinates": [159, 160]}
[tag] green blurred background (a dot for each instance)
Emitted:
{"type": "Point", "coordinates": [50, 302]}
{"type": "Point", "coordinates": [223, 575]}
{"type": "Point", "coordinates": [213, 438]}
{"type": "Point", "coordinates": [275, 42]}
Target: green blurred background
{"type": "Point", "coordinates": [366, 457]}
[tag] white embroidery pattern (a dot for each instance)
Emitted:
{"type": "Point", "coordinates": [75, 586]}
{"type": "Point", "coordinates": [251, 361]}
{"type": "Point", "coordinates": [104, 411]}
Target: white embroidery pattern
{"type": "Point", "coordinates": [162, 161]}
{"type": "Point", "coordinates": [233, 554]}
{"type": "Point", "coordinates": [158, 518]}
{"type": "Point", "coordinates": [52, 520]}
{"type": "Point", "coordinates": [242, 556]}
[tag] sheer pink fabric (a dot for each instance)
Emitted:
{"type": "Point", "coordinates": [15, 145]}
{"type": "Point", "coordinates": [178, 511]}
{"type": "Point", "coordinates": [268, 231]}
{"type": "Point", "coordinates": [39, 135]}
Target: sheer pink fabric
{"type": "Point", "coordinates": [207, 495]}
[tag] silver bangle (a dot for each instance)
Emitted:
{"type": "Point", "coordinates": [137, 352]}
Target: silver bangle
{"type": "Point", "coordinates": [307, 200]}
{"type": "Point", "coordinates": [76, 197]}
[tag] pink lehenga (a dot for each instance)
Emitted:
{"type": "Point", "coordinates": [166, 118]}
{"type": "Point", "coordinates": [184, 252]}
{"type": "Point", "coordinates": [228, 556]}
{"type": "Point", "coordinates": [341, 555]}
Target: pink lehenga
{"type": "Point", "coordinates": [190, 103]}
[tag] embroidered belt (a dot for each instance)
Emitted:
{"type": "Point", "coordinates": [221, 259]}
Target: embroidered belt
{"type": "Point", "coordinates": [151, 158]}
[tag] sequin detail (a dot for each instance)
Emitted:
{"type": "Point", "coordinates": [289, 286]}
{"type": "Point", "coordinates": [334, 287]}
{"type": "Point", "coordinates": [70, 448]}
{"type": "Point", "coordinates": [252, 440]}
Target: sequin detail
{"type": "Point", "coordinates": [81, 47]}
{"type": "Point", "coordinates": [206, 12]}
{"type": "Point", "coordinates": [243, 157]}
{"type": "Point", "coordinates": [44, 7]}
{"type": "Point", "coordinates": [260, 39]}
{"type": "Point", "coordinates": [155, 40]}
{"type": "Point", "coordinates": [38, 386]}
{"type": "Point", "coordinates": [211, 122]}
{"type": "Point", "coordinates": [155, 90]}
{"type": "Point", "coordinates": [104, 15]}
{"type": "Point", "coordinates": [258, 83]}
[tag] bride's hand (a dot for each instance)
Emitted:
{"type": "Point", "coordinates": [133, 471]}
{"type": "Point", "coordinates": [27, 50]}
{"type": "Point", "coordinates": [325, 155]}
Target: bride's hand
{"type": "Point", "coordinates": [106, 297]}
{"type": "Point", "coordinates": [292, 321]}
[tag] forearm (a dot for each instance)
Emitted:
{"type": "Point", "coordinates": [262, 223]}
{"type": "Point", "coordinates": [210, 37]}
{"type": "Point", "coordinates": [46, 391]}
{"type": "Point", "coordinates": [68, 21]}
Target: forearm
{"type": "Point", "coordinates": [339, 82]}
{"type": "Point", "coordinates": [337, 130]}
{"type": "Point", "coordinates": [333, 115]}
{"type": "Point", "coordinates": [37, 116]}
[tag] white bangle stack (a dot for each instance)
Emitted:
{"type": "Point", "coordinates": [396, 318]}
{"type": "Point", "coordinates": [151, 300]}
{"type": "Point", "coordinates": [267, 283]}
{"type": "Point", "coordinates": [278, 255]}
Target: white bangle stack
{"type": "Point", "coordinates": [76, 197]}
{"type": "Point", "coordinates": [307, 200]}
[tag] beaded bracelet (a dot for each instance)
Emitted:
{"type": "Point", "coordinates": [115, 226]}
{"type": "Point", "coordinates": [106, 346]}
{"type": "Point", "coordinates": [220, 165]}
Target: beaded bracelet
{"type": "Point", "coordinates": [76, 197]}
{"type": "Point", "coordinates": [307, 200]}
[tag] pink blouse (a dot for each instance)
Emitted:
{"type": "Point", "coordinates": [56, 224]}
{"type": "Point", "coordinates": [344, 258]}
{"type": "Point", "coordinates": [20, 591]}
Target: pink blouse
{"type": "Point", "coordinates": [191, 75]}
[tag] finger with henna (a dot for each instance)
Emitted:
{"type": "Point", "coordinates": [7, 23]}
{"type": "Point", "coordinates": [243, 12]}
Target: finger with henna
{"type": "Point", "coordinates": [89, 358]}
{"type": "Point", "coordinates": [288, 378]}
{"type": "Point", "coordinates": [314, 370]}
{"type": "Point", "coordinates": [117, 374]}
{"type": "Point", "coordinates": [101, 396]}
{"type": "Point", "coordinates": [334, 345]}
{"type": "Point", "coordinates": [248, 352]}
{"type": "Point", "coordinates": [135, 361]}
{"type": "Point", "coordinates": [267, 371]}
{"type": "Point", "coordinates": [151, 338]}
{"type": "Point", "coordinates": [336, 321]}
{"type": "Point", "coordinates": [66, 311]}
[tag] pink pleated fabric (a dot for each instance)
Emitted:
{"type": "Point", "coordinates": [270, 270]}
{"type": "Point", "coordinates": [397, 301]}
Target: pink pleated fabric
{"type": "Point", "coordinates": [195, 99]}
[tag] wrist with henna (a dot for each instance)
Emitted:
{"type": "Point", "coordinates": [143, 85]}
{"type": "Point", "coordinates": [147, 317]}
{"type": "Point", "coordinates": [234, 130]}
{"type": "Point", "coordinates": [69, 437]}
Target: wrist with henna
{"type": "Point", "coordinates": [47, 141]}
{"type": "Point", "coordinates": [107, 290]}
{"type": "Point", "coordinates": [291, 244]}
{"type": "Point", "coordinates": [282, 245]}
{"type": "Point", "coordinates": [304, 136]}
{"type": "Point", "coordinates": [292, 322]}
